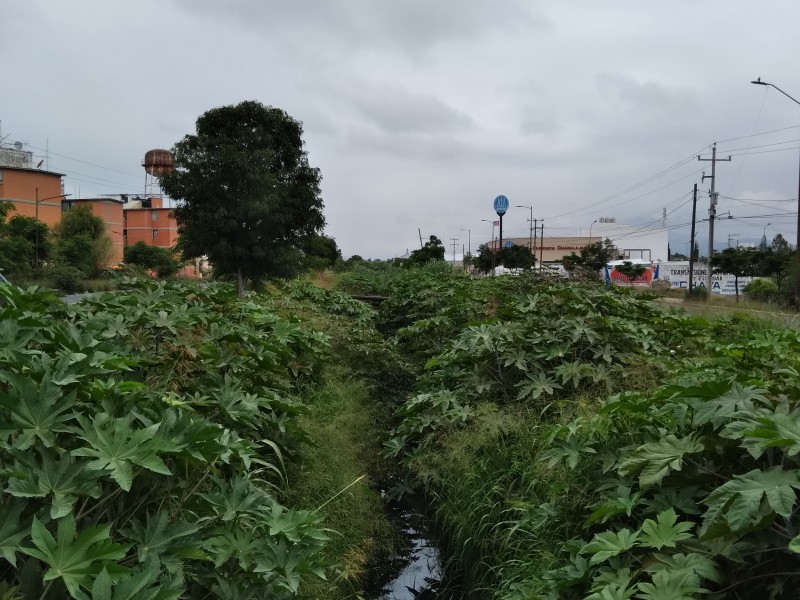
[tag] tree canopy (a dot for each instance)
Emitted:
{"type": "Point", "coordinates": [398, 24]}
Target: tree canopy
{"type": "Point", "coordinates": [83, 242]}
{"type": "Point", "coordinates": [592, 258]}
{"type": "Point", "coordinates": [739, 262]}
{"type": "Point", "coordinates": [246, 193]}
{"type": "Point", "coordinates": [432, 250]}
{"type": "Point", "coordinates": [162, 260]}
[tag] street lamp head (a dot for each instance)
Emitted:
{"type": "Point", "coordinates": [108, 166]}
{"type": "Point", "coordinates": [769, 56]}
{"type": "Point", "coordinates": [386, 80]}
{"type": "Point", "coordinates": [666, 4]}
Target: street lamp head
{"type": "Point", "coordinates": [523, 206]}
{"type": "Point", "coordinates": [759, 82]}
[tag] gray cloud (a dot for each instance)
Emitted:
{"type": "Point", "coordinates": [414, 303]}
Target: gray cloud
{"type": "Point", "coordinates": [418, 113]}
{"type": "Point", "coordinates": [395, 110]}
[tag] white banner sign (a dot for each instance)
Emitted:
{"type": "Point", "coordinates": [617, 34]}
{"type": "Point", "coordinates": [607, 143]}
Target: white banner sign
{"type": "Point", "coordinates": [677, 273]}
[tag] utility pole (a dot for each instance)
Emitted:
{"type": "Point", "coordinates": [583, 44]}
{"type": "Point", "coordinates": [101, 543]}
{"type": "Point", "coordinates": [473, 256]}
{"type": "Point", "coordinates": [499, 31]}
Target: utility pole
{"type": "Point", "coordinates": [733, 236]}
{"type": "Point", "coordinates": [454, 240]}
{"type": "Point", "coordinates": [712, 208]}
{"type": "Point", "coordinates": [533, 252]}
{"type": "Point", "coordinates": [419, 231]}
{"type": "Point", "coordinates": [541, 247]}
{"type": "Point", "coordinates": [469, 240]}
{"type": "Point", "coordinates": [691, 239]}
{"type": "Point", "coordinates": [37, 231]}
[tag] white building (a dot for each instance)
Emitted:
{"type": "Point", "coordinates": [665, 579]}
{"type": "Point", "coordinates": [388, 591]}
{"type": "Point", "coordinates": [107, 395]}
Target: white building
{"type": "Point", "coordinates": [651, 244]}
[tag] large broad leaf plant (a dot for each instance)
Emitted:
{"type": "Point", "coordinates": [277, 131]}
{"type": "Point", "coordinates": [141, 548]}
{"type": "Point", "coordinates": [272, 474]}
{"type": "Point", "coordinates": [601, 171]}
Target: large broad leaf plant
{"type": "Point", "coordinates": [643, 489]}
{"type": "Point", "coordinates": [142, 441]}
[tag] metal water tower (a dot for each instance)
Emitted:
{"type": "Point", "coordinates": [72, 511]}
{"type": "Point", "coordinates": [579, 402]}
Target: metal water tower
{"type": "Point", "coordinates": [156, 163]}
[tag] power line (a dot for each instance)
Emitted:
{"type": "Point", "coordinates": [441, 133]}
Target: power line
{"type": "Point", "coordinates": [755, 134]}
{"type": "Point", "coordinates": [83, 161]}
{"type": "Point", "coordinates": [632, 187]}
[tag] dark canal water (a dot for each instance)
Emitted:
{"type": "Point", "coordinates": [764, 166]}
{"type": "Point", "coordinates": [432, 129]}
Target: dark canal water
{"type": "Point", "coordinates": [417, 572]}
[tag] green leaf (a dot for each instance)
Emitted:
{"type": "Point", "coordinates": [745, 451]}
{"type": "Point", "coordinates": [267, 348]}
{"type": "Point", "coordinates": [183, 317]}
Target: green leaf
{"type": "Point", "coordinates": [12, 530]}
{"type": "Point", "coordinates": [655, 460]}
{"type": "Point", "coordinates": [690, 568]}
{"type": "Point", "coordinates": [116, 448]}
{"type": "Point", "coordinates": [719, 410]}
{"type": "Point", "coordinates": [794, 544]}
{"type": "Point", "coordinates": [33, 412]}
{"type": "Point", "coordinates": [59, 477]}
{"type": "Point", "coordinates": [609, 543]}
{"type": "Point", "coordinates": [537, 385]}
{"type": "Point", "coordinates": [761, 431]}
{"type": "Point", "coordinates": [668, 585]}
{"type": "Point", "coordinates": [738, 503]}
{"type": "Point", "coordinates": [73, 559]}
{"type": "Point", "coordinates": [664, 531]}
{"type": "Point", "coordinates": [157, 536]}
{"type": "Point", "coordinates": [613, 591]}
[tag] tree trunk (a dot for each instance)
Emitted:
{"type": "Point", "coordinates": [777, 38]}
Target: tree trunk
{"type": "Point", "coordinates": [240, 278]}
{"type": "Point", "coordinates": [736, 283]}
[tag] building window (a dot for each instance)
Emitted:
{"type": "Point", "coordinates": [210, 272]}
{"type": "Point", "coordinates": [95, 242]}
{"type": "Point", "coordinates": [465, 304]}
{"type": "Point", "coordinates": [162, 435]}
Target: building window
{"type": "Point", "coordinates": [155, 234]}
{"type": "Point", "coordinates": [1, 175]}
{"type": "Point", "coordinates": [154, 215]}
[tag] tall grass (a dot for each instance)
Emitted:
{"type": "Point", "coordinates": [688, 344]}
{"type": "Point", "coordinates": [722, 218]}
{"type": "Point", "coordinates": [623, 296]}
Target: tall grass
{"type": "Point", "coordinates": [344, 448]}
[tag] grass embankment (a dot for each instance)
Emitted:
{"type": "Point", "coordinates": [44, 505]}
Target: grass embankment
{"type": "Point", "coordinates": [338, 479]}
{"type": "Point", "coordinates": [341, 468]}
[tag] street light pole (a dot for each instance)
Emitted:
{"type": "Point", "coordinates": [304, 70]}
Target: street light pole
{"type": "Point", "coordinates": [797, 241]}
{"type": "Point", "coordinates": [530, 233]}
{"type": "Point", "coordinates": [590, 230]}
{"type": "Point", "coordinates": [37, 229]}
{"type": "Point", "coordinates": [492, 243]}
{"type": "Point", "coordinates": [37, 219]}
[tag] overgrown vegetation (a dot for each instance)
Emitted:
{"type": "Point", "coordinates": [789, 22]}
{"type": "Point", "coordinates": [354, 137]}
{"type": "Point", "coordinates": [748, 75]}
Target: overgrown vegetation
{"type": "Point", "coordinates": [145, 435]}
{"type": "Point", "coordinates": [579, 443]}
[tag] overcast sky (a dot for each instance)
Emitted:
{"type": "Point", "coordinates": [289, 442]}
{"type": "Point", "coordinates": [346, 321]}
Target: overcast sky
{"type": "Point", "coordinates": [420, 112]}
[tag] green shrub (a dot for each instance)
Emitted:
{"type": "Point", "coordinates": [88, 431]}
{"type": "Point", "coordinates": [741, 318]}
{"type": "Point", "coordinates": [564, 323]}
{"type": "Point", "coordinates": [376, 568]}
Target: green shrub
{"type": "Point", "coordinates": [65, 278]}
{"type": "Point", "coordinates": [697, 293]}
{"type": "Point", "coordinates": [763, 290]}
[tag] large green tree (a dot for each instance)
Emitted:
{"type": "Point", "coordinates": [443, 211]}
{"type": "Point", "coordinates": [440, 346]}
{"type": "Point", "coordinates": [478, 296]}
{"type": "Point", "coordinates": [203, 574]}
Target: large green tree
{"type": "Point", "coordinates": [320, 252]}
{"type": "Point", "coordinates": [245, 191]}
{"type": "Point", "coordinates": [592, 258]}
{"type": "Point", "coordinates": [162, 260]}
{"type": "Point", "coordinates": [517, 257]}
{"type": "Point", "coordinates": [432, 250]}
{"type": "Point", "coordinates": [739, 262]}
{"type": "Point", "coordinates": [82, 241]}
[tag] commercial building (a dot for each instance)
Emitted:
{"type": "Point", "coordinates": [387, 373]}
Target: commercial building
{"type": "Point", "coordinates": [645, 243]}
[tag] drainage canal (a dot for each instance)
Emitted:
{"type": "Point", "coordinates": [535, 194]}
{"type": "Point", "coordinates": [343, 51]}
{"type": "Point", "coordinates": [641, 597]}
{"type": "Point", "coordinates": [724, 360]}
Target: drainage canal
{"type": "Point", "coordinates": [417, 572]}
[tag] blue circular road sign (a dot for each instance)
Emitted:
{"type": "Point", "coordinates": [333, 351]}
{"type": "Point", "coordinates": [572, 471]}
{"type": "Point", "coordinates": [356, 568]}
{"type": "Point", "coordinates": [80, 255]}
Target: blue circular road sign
{"type": "Point", "coordinates": [501, 205]}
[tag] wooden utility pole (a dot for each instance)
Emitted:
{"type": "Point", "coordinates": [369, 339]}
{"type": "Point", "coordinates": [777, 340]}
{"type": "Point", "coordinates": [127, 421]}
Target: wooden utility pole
{"type": "Point", "coordinates": [712, 208]}
{"type": "Point", "coordinates": [691, 239]}
{"type": "Point", "coordinates": [541, 247]}
{"type": "Point", "coordinates": [454, 240]}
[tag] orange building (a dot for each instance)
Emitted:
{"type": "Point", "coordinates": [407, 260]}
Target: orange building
{"type": "Point", "coordinates": [110, 210]}
{"type": "Point", "coordinates": [32, 191]}
{"type": "Point", "coordinates": [147, 220]}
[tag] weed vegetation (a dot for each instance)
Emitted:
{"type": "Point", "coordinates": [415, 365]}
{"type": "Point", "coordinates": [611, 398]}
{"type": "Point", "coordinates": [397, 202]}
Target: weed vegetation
{"type": "Point", "coordinates": [579, 442]}
{"type": "Point", "coordinates": [145, 440]}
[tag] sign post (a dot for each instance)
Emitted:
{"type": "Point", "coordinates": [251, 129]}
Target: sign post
{"type": "Point", "coordinates": [500, 207]}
